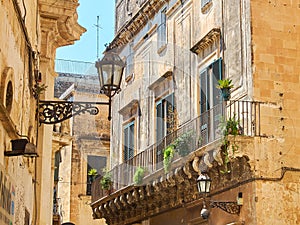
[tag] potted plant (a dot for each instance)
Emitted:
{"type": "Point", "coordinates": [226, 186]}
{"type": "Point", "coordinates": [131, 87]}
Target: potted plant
{"type": "Point", "coordinates": [92, 174]}
{"type": "Point", "coordinates": [168, 156]}
{"type": "Point", "coordinates": [106, 182]}
{"type": "Point", "coordinates": [225, 85]}
{"type": "Point", "coordinates": [139, 175]}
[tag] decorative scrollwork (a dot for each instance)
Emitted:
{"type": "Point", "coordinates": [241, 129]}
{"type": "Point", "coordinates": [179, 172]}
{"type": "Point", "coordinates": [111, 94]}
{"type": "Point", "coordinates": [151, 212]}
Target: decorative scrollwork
{"type": "Point", "coordinates": [229, 207]}
{"type": "Point", "coordinates": [51, 112]}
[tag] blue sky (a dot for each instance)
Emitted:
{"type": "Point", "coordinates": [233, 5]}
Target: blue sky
{"type": "Point", "coordinates": [86, 48]}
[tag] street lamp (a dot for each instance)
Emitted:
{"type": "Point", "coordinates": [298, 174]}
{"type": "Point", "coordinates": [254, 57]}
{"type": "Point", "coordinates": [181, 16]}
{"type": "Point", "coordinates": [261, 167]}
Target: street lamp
{"type": "Point", "coordinates": [204, 184]}
{"type": "Point", "coordinates": [110, 70]}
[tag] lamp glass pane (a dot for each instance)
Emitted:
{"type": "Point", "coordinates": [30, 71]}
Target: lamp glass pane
{"type": "Point", "coordinates": [117, 75]}
{"type": "Point", "coordinates": [106, 75]}
{"type": "Point", "coordinates": [201, 186]}
{"type": "Point", "coordinates": [207, 188]}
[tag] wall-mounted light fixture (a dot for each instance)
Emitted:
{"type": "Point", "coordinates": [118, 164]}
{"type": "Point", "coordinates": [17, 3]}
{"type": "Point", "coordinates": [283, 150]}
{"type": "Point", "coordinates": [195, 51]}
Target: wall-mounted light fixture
{"type": "Point", "coordinates": [22, 147]}
{"type": "Point", "coordinates": [204, 184]}
{"type": "Point", "coordinates": [110, 70]}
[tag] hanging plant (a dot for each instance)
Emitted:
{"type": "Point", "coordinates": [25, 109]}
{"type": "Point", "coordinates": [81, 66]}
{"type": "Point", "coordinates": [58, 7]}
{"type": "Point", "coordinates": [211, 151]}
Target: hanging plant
{"type": "Point", "coordinates": [168, 157]}
{"type": "Point", "coordinates": [139, 175]}
{"type": "Point", "coordinates": [229, 127]}
{"type": "Point", "coordinates": [106, 181]}
{"type": "Point", "coordinates": [184, 143]}
{"type": "Point", "coordinates": [225, 85]}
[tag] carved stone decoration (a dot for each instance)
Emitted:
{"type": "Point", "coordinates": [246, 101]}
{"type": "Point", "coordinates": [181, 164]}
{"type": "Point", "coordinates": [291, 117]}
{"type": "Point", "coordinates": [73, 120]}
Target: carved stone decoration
{"type": "Point", "coordinates": [187, 171]}
{"type": "Point", "coordinates": [171, 181]}
{"type": "Point", "coordinates": [136, 195]}
{"type": "Point", "coordinates": [207, 160]}
{"type": "Point", "coordinates": [179, 177]}
{"type": "Point", "coordinates": [142, 193]}
{"type": "Point", "coordinates": [209, 38]}
{"type": "Point", "coordinates": [118, 203]}
{"type": "Point", "coordinates": [195, 164]}
{"type": "Point", "coordinates": [168, 191]}
{"type": "Point", "coordinates": [217, 156]}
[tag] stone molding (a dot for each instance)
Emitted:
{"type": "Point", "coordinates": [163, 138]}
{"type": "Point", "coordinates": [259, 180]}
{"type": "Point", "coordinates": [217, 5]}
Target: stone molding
{"type": "Point", "coordinates": [136, 23]}
{"type": "Point", "coordinates": [59, 26]}
{"type": "Point", "coordinates": [207, 40]}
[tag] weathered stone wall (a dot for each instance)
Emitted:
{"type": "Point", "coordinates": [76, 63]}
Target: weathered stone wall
{"type": "Point", "coordinates": [275, 80]}
{"type": "Point", "coordinates": [17, 109]}
{"type": "Point", "coordinates": [30, 34]}
{"type": "Point", "coordinates": [90, 135]}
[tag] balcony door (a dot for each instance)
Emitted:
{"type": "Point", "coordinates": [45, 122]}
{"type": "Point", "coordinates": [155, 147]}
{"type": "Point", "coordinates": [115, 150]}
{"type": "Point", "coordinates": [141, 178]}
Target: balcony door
{"type": "Point", "coordinates": [165, 121]}
{"type": "Point", "coordinates": [129, 145]}
{"type": "Point", "coordinates": [210, 100]}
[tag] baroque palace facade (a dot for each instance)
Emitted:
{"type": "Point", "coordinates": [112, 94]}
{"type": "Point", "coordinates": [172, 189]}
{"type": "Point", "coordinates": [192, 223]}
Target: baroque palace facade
{"type": "Point", "coordinates": [170, 123]}
{"type": "Point", "coordinates": [31, 31]}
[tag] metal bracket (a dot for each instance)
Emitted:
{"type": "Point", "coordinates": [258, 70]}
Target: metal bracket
{"type": "Point", "coordinates": [229, 207]}
{"type": "Point", "coordinates": [51, 112]}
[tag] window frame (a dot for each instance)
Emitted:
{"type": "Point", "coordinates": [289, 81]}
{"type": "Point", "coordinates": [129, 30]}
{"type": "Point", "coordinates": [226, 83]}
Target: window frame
{"type": "Point", "coordinates": [129, 153]}
{"type": "Point", "coordinates": [209, 96]}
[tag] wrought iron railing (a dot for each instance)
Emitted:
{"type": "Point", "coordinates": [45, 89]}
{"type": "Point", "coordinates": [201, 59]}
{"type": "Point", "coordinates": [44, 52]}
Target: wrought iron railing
{"type": "Point", "coordinates": [193, 135]}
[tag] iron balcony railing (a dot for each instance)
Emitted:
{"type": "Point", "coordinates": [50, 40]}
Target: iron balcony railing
{"type": "Point", "coordinates": [192, 136]}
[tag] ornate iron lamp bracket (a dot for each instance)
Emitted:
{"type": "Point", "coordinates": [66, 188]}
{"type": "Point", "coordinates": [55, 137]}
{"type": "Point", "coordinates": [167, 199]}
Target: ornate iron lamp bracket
{"type": "Point", "coordinates": [229, 207]}
{"type": "Point", "coordinates": [51, 112]}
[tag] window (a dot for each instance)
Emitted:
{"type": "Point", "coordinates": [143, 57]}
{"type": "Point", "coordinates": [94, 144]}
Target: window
{"type": "Point", "coordinates": [210, 100]}
{"type": "Point", "coordinates": [9, 96]}
{"type": "Point", "coordinates": [165, 117]}
{"type": "Point", "coordinates": [210, 95]}
{"type": "Point", "coordinates": [94, 162]}
{"type": "Point", "coordinates": [128, 143]}
{"type": "Point", "coordinates": [162, 29]}
{"type": "Point", "coordinates": [165, 123]}
{"type": "Point", "coordinates": [56, 165]}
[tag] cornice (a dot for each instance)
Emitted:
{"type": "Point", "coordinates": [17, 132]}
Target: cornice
{"type": "Point", "coordinates": [62, 18]}
{"type": "Point", "coordinates": [209, 38]}
{"type": "Point", "coordinates": [136, 23]}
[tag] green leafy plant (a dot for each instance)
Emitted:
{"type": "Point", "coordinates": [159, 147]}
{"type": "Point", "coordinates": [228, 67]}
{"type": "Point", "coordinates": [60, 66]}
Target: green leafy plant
{"type": "Point", "coordinates": [232, 127]}
{"type": "Point", "coordinates": [39, 89]}
{"type": "Point", "coordinates": [184, 143]}
{"type": "Point", "coordinates": [106, 182]}
{"type": "Point", "coordinates": [139, 175]}
{"type": "Point", "coordinates": [92, 172]}
{"type": "Point", "coordinates": [168, 157]}
{"type": "Point", "coordinates": [225, 84]}
{"type": "Point", "coordinates": [229, 127]}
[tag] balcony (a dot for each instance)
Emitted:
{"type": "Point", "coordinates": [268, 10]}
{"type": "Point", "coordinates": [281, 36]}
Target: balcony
{"type": "Point", "coordinates": [199, 133]}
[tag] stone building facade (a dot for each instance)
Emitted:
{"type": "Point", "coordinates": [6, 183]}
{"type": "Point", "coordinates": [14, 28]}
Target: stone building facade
{"type": "Point", "coordinates": [31, 31]}
{"type": "Point", "coordinates": [89, 147]}
{"type": "Point", "coordinates": [175, 53]}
